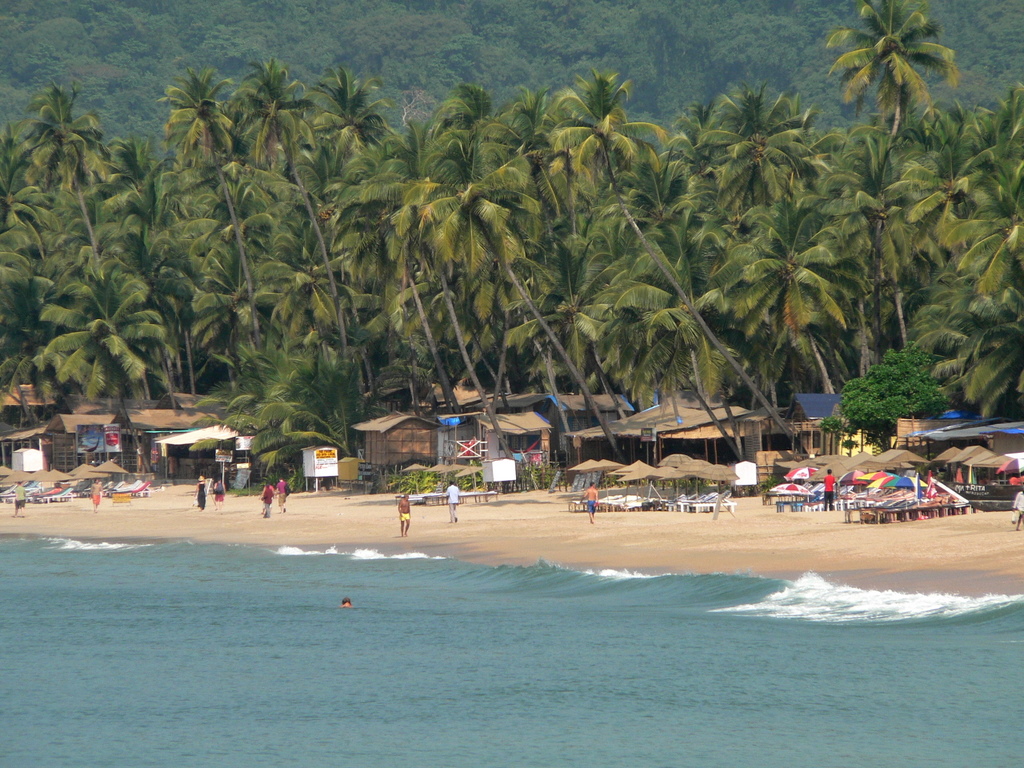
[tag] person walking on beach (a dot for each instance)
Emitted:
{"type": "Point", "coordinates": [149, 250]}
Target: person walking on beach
{"type": "Point", "coordinates": [97, 495]}
{"type": "Point", "coordinates": [218, 496]}
{"type": "Point", "coordinates": [1018, 504]}
{"type": "Point", "coordinates": [404, 514]}
{"type": "Point", "coordinates": [590, 496]}
{"type": "Point", "coordinates": [830, 492]}
{"type": "Point", "coordinates": [267, 497]}
{"type": "Point", "coordinates": [282, 494]}
{"type": "Point", "coordinates": [453, 502]}
{"type": "Point", "coordinates": [201, 493]}
{"type": "Point", "coordinates": [20, 496]}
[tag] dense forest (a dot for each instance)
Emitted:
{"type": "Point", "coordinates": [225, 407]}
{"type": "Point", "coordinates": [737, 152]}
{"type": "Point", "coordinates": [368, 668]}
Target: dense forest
{"type": "Point", "coordinates": [677, 52]}
{"type": "Point", "coordinates": [301, 259]}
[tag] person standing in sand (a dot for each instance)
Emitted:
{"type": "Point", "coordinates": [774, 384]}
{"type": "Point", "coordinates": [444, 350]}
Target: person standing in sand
{"type": "Point", "coordinates": [1018, 504]}
{"type": "Point", "coordinates": [97, 495]}
{"type": "Point", "coordinates": [201, 493]}
{"type": "Point", "coordinates": [830, 492]}
{"type": "Point", "coordinates": [453, 502]}
{"type": "Point", "coordinates": [267, 497]}
{"type": "Point", "coordinates": [404, 514]}
{"type": "Point", "coordinates": [282, 494]}
{"type": "Point", "coordinates": [590, 496]}
{"type": "Point", "coordinates": [218, 496]}
{"type": "Point", "coordinates": [20, 497]}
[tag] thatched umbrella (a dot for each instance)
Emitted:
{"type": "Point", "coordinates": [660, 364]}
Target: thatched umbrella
{"type": "Point", "coordinates": [444, 469]}
{"type": "Point", "coordinates": [86, 472]}
{"type": "Point", "coordinates": [469, 471]}
{"type": "Point", "coordinates": [110, 467]}
{"type": "Point", "coordinates": [596, 465]}
{"type": "Point", "coordinates": [635, 467]}
{"type": "Point", "coordinates": [677, 460]}
{"type": "Point", "coordinates": [414, 468]}
{"type": "Point", "coordinates": [51, 476]}
{"type": "Point", "coordinates": [19, 476]}
{"type": "Point", "coordinates": [5, 471]}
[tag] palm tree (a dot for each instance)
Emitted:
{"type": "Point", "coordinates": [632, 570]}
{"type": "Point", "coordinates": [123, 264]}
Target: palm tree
{"type": "Point", "coordinates": [201, 131]}
{"type": "Point", "coordinates": [111, 337]}
{"type": "Point", "coordinates": [889, 51]}
{"type": "Point", "coordinates": [604, 138]}
{"type": "Point", "coordinates": [66, 150]}
{"type": "Point", "coordinates": [274, 109]}
{"type": "Point", "coordinates": [347, 112]}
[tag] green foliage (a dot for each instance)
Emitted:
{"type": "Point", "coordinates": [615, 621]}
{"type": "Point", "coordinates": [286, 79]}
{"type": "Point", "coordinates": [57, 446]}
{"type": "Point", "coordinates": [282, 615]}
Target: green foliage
{"type": "Point", "coordinates": [124, 52]}
{"type": "Point", "coordinates": [899, 387]}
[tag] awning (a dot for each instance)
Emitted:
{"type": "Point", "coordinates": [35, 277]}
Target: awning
{"type": "Point", "coordinates": [518, 423]}
{"type": "Point", "coordinates": [194, 436]}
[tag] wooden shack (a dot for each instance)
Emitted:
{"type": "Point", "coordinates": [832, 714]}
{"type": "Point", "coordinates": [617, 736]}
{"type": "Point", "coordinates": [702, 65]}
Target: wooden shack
{"type": "Point", "coordinates": [398, 439]}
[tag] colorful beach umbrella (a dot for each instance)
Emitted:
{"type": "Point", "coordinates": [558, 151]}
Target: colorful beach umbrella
{"type": "Point", "coordinates": [1012, 466]}
{"type": "Point", "coordinates": [800, 473]}
{"type": "Point", "coordinates": [790, 489]}
{"type": "Point", "coordinates": [883, 481]}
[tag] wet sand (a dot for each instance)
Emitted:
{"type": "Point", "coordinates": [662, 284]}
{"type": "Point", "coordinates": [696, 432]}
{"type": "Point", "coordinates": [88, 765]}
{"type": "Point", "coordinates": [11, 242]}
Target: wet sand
{"type": "Point", "coordinates": [969, 554]}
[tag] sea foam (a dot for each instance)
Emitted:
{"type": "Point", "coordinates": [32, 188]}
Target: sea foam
{"type": "Point", "coordinates": [73, 544]}
{"type": "Point", "coordinates": [813, 598]}
{"type": "Point", "coordinates": [359, 554]}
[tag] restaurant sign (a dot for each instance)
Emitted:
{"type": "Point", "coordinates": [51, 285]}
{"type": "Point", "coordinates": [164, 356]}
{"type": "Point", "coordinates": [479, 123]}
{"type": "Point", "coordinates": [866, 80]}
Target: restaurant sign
{"type": "Point", "coordinates": [987, 497]}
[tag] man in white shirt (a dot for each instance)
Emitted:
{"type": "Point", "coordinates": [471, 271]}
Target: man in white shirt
{"type": "Point", "coordinates": [453, 502]}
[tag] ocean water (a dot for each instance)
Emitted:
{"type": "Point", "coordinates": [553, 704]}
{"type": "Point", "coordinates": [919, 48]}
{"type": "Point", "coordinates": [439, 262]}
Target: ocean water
{"type": "Point", "coordinates": [201, 655]}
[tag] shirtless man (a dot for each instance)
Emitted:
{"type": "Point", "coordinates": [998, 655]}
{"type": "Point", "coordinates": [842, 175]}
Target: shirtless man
{"type": "Point", "coordinates": [404, 513]}
{"type": "Point", "coordinates": [590, 496]}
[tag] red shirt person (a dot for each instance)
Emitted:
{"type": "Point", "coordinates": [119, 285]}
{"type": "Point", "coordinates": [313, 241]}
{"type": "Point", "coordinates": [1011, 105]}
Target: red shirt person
{"type": "Point", "coordinates": [830, 491]}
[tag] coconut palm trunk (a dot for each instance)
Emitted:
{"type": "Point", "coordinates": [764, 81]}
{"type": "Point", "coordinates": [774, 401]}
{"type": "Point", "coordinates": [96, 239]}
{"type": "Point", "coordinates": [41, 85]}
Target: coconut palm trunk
{"type": "Point", "coordinates": [442, 374]}
{"type": "Point", "coordinates": [242, 256]}
{"type": "Point", "coordinates": [701, 322]}
{"type": "Point", "coordinates": [566, 360]}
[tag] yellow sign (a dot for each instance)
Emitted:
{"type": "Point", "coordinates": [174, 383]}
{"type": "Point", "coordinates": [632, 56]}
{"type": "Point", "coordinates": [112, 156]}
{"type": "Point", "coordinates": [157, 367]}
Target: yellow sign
{"type": "Point", "coordinates": [122, 498]}
{"type": "Point", "coordinates": [327, 453]}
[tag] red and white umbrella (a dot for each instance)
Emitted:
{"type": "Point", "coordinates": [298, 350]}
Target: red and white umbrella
{"type": "Point", "coordinates": [790, 489]}
{"type": "Point", "coordinates": [801, 473]}
{"type": "Point", "coordinates": [1013, 465]}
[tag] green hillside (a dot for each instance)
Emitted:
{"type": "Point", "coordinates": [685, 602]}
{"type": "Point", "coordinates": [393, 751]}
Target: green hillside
{"type": "Point", "coordinates": [125, 52]}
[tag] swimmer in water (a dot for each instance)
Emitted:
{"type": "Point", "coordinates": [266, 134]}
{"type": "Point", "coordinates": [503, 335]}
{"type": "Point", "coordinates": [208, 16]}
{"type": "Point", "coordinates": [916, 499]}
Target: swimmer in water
{"type": "Point", "coordinates": [345, 603]}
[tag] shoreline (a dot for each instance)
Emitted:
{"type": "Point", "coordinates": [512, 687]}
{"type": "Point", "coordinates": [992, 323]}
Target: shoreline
{"type": "Point", "coordinates": [972, 554]}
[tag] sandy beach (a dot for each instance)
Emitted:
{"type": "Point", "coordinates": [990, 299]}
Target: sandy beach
{"type": "Point", "coordinates": [969, 554]}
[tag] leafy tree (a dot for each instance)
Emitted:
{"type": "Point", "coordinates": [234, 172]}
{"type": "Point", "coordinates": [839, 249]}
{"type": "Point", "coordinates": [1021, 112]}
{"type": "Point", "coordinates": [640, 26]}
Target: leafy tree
{"type": "Point", "coordinates": [901, 386]}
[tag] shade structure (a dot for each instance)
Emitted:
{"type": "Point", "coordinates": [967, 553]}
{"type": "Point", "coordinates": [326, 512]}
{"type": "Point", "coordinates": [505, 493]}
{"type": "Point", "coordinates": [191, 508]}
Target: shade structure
{"type": "Point", "coordinates": [900, 482]}
{"type": "Point", "coordinates": [51, 476]}
{"type": "Point", "coordinates": [193, 436]}
{"type": "Point", "coordinates": [1012, 466]}
{"type": "Point", "coordinates": [86, 472]}
{"type": "Point", "coordinates": [19, 476]}
{"type": "Point", "coordinates": [986, 459]}
{"type": "Point", "coordinates": [677, 460]}
{"type": "Point", "coordinates": [848, 478]}
{"type": "Point", "coordinates": [882, 480]}
{"type": "Point", "coordinates": [947, 454]}
{"type": "Point", "coordinates": [676, 473]}
{"type": "Point", "coordinates": [896, 456]}
{"type": "Point", "coordinates": [110, 468]}
{"type": "Point", "coordinates": [801, 473]}
{"type": "Point", "coordinates": [720, 474]}
{"type": "Point", "coordinates": [636, 466]}
{"type": "Point", "coordinates": [468, 471]}
{"type": "Point", "coordinates": [445, 469]}
{"type": "Point", "coordinates": [790, 489]}
{"type": "Point", "coordinates": [596, 465]}
{"type": "Point", "coordinates": [415, 468]}
{"type": "Point", "coordinates": [865, 462]}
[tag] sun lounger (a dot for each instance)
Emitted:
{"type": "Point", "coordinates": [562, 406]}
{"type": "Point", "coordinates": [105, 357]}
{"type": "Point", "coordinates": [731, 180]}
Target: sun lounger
{"type": "Point", "coordinates": [142, 491]}
{"type": "Point", "coordinates": [57, 494]}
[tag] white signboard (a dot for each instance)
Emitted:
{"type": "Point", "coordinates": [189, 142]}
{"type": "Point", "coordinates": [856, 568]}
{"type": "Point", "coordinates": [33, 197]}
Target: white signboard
{"type": "Point", "coordinates": [746, 471]}
{"type": "Point", "coordinates": [320, 462]}
{"type": "Point", "coordinates": [499, 470]}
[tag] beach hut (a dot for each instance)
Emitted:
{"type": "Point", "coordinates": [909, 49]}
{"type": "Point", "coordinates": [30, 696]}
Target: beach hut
{"type": "Point", "coordinates": [398, 439]}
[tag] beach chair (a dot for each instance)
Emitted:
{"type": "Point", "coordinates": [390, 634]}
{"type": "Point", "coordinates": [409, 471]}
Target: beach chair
{"type": "Point", "coordinates": [143, 490]}
{"type": "Point", "coordinates": [56, 495]}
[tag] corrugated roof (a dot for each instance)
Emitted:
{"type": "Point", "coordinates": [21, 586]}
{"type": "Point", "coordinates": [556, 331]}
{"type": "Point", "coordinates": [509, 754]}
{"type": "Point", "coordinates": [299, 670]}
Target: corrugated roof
{"type": "Point", "coordinates": [955, 433]}
{"type": "Point", "coordinates": [815, 405]}
{"type": "Point", "coordinates": [392, 420]}
{"type": "Point", "coordinates": [666, 418]}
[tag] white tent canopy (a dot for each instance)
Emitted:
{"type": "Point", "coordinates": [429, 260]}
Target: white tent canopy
{"type": "Point", "coordinates": [195, 435]}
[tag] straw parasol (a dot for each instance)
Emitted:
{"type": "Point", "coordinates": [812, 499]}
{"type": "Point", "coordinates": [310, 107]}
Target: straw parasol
{"type": "Point", "coordinates": [414, 468]}
{"type": "Point", "coordinates": [596, 465]}
{"type": "Point", "coordinates": [19, 476]}
{"type": "Point", "coordinates": [86, 472]}
{"type": "Point", "coordinates": [51, 476]}
{"type": "Point", "coordinates": [636, 466]}
{"type": "Point", "coordinates": [469, 471]}
{"type": "Point", "coordinates": [947, 454]}
{"type": "Point", "coordinates": [720, 474]}
{"type": "Point", "coordinates": [110, 467]}
{"type": "Point", "coordinates": [677, 460]}
{"type": "Point", "coordinates": [444, 469]}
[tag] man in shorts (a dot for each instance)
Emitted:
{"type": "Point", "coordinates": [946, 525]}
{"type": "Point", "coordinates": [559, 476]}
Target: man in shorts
{"type": "Point", "coordinates": [590, 496]}
{"type": "Point", "coordinates": [404, 513]}
{"type": "Point", "coordinates": [282, 494]}
{"type": "Point", "coordinates": [20, 496]}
